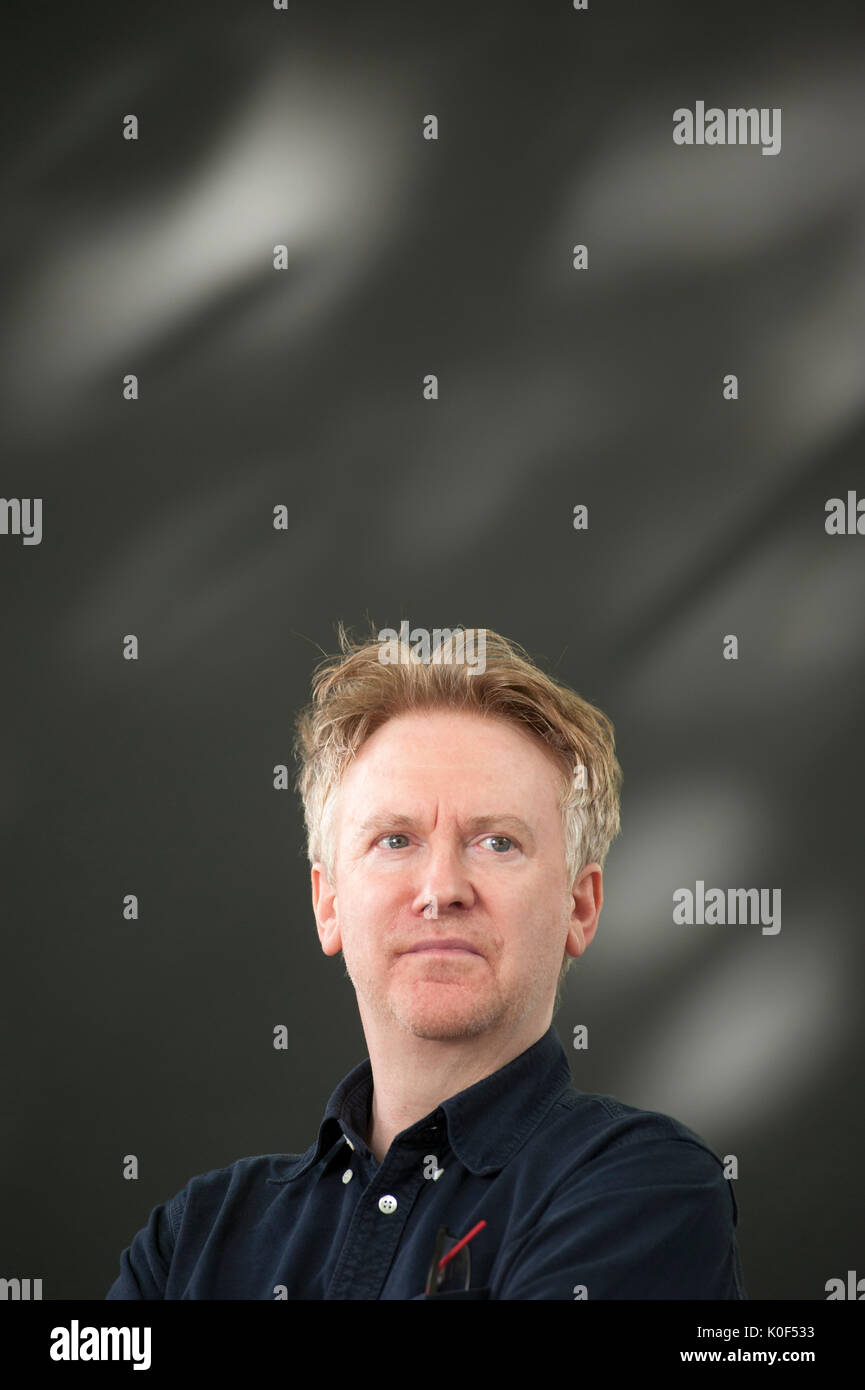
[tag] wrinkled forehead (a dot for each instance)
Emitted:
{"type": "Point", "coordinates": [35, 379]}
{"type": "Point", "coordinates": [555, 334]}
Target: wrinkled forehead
{"type": "Point", "coordinates": [464, 766]}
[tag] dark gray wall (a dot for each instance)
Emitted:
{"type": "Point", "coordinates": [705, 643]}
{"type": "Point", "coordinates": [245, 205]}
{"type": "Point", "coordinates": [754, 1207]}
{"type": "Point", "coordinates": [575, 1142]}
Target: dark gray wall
{"type": "Point", "coordinates": [303, 387]}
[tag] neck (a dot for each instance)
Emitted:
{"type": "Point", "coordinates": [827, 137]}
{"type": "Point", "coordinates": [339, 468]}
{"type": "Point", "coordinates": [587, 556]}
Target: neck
{"type": "Point", "coordinates": [412, 1075]}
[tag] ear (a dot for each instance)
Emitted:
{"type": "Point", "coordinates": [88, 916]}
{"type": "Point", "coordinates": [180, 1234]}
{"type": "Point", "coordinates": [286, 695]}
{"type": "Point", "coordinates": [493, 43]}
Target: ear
{"type": "Point", "coordinates": [587, 899]}
{"type": "Point", "coordinates": [324, 905]}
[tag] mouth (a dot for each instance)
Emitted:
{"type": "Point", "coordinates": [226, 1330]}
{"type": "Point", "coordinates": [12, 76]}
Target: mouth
{"type": "Point", "coordinates": [447, 946]}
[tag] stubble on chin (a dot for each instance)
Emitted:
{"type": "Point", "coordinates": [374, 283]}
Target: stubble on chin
{"type": "Point", "coordinates": [424, 1011]}
{"type": "Point", "coordinates": [450, 1026]}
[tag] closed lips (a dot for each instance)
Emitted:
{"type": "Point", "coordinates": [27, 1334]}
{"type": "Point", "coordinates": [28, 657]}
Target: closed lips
{"type": "Point", "coordinates": [450, 944]}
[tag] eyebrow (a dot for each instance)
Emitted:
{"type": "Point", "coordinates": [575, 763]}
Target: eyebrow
{"type": "Point", "coordinates": [387, 819]}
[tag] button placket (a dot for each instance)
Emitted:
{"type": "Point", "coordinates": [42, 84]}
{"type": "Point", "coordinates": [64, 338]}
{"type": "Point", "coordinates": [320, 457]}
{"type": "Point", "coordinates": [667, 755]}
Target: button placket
{"type": "Point", "coordinates": [384, 1207]}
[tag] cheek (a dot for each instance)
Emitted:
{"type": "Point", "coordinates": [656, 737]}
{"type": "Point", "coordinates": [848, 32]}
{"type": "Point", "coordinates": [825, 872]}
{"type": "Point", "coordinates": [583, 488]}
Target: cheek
{"type": "Point", "coordinates": [377, 898]}
{"type": "Point", "coordinates": [514, 922]}
{"type": "Point", "coordinates": [368, 908]}
{"type": "Point", "coordinates": [537, 928]}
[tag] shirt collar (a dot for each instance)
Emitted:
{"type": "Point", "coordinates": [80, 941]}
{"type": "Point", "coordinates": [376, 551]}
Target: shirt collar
{"type": "Point", "coordinates": [487, 1123]}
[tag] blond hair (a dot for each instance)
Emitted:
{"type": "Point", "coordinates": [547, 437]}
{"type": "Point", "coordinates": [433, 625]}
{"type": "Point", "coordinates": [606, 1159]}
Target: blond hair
{"type": "Point", "coordinates": [353, 694]}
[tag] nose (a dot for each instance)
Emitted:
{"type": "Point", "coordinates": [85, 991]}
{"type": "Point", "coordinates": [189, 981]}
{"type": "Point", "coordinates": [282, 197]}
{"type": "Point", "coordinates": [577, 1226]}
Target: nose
{"type": "Point", "coordinates": [444, 884]}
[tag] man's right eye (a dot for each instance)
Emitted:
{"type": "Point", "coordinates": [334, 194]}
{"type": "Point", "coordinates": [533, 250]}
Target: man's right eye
{"type": "Point", "coordinates": [395, 835]}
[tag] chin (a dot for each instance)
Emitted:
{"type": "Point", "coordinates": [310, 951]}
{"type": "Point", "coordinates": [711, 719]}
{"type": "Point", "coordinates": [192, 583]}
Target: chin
{"type": "Point", "coordinates": [446, 1020]}
{"type": "Point", "coordinates": [442, 1031]}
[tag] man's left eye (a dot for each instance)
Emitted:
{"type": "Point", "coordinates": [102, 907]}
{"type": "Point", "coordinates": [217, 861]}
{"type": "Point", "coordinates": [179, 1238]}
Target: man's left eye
{"type": "Point", "coordinates": [501, 839]}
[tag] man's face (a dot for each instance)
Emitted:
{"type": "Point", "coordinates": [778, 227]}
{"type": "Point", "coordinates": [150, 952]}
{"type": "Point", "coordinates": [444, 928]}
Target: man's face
{"type": "Point", "coordinates": [461, 812]}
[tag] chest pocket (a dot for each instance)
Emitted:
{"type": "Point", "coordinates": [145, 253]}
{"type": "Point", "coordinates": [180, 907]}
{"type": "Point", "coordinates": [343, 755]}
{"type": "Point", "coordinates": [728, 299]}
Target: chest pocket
{"type": "Point", "coordinates": [452, 1294]}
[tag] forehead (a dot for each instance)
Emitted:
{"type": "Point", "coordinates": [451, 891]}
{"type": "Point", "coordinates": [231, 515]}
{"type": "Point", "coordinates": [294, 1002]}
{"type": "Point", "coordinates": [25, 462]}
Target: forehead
{"type": "Point", "coordinates": [457, 756]}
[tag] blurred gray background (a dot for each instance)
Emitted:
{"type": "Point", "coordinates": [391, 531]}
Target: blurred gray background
{"type": "Point", "coordinates": [303, 387]}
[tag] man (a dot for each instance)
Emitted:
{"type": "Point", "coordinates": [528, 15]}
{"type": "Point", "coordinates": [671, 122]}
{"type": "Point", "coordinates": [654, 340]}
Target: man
{"type": "Point", "coordinates": [458, 821]}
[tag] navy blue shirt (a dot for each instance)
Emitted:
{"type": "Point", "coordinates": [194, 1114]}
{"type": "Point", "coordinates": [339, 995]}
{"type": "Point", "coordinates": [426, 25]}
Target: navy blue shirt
{"type": "Point", "coordinates": [582, 1195]}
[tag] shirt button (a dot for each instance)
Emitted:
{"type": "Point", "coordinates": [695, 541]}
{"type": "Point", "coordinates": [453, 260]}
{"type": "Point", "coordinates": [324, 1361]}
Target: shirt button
{"type": "Point", "coordinates": [387, 1204]}
{"type": "Point", "coordinates": [347, 1175]}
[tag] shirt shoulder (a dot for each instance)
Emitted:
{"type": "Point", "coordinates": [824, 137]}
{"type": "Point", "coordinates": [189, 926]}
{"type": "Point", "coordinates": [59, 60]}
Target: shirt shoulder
{"type": "Point", "coordinates": [149, 1268]}
{"type": "Point", "coordinates": [216, 1185]}
{"type": "Point", "coordinates": [248, 1185]}
{"type": "Point", "coordinates": [633, 1204]}
{"type": "Point", "coordinates": [605, 1141]}
{"type": "Point", "coordinates": [590, 1124]}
